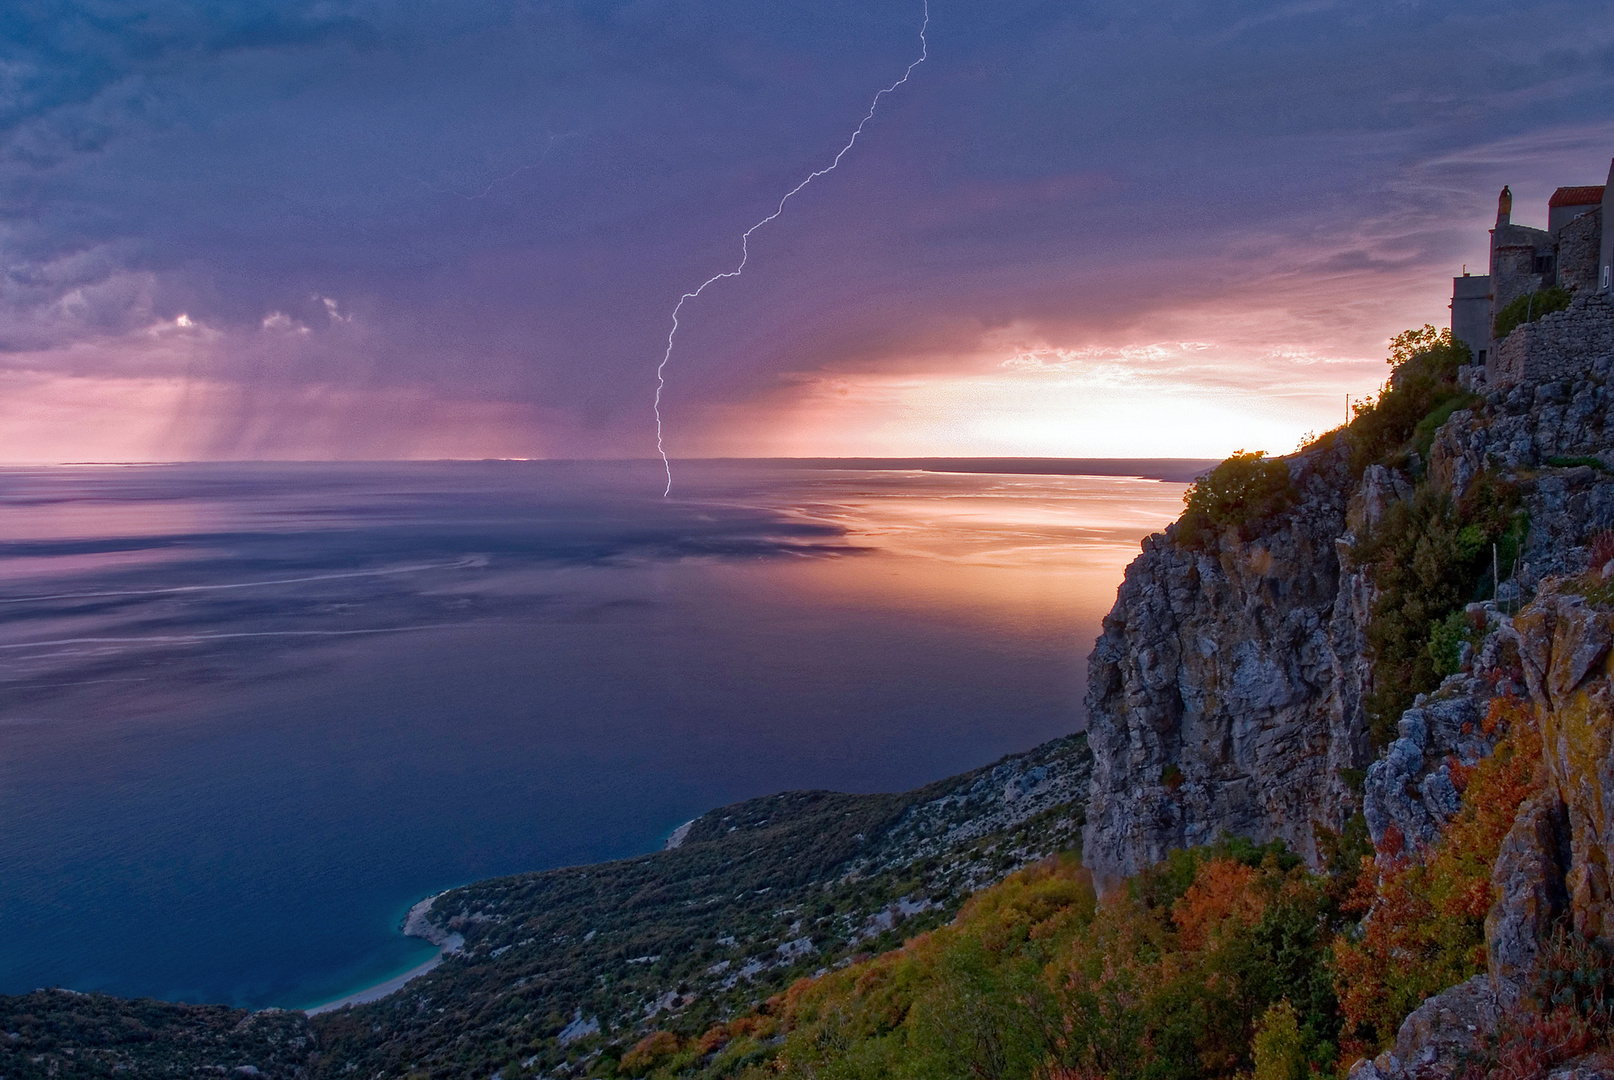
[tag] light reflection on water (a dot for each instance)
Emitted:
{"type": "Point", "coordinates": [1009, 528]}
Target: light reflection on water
{"type": "Point", "coordinates": [249, 713]}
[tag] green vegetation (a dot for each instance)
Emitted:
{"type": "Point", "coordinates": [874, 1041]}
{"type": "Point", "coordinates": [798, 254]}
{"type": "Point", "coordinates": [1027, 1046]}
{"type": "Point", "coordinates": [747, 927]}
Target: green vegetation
{"type": "Point", "coordinates": [1280, 1047]}
{"type": "Point", "coordinates": [1428, 926]}
{"type": "Point", "coordinates": [1242, 495]}
{"type": "Point", "coordinates": [1573, 462]}
{"type": "Point", "coordinates": [1169, 978]}
{"type": "Point", "coordinates": [1529, 308]}
{"type": "Point", "coordinates": [758, 895]}
{"type": "Point", "coordinates": [1427, 558]}
{"type": "Point", "coordinates": [1421, 394]}
{"type": "Point", "coordinates": [57, 1033]}
{"type": "Point", "coordinates": [1448, 636]}
{"type": "Point", "coordinates": [1228, 961]}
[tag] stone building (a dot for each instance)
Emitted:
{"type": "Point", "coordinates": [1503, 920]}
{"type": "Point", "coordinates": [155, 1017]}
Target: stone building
{"type": "Point", "coordinates": [1572, 252]}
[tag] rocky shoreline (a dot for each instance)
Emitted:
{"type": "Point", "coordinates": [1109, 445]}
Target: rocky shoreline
{"type": "Point", "coordinates": [415, 925]}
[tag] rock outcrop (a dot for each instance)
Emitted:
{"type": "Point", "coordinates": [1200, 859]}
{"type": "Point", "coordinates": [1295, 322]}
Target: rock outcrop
{"type": "Point", "coordinates": [1224, 694]}
{"type": "Point", "coordinates": [1555, 860]}
{"type": "Point", "coordinates": [1529, 875]}
{"type": "Point", "coordinates": [1439, 1037]}
{"type": "Point", "coordinates": [1564, 645]}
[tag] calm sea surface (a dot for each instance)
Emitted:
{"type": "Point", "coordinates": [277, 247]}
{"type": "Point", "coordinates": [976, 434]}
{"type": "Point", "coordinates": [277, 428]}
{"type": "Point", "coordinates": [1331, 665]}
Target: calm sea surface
{"type": "Point", "coordinates": [250, 713]}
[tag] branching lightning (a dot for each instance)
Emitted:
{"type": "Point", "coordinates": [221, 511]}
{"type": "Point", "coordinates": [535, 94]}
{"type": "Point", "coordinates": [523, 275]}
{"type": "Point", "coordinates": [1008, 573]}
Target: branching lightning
{"type": "Point", "coordinates": [745, 240]}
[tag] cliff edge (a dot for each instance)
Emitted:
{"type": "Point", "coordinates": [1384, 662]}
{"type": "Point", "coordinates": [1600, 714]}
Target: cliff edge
{"type": "Point", "coordinates": [1230, 689]}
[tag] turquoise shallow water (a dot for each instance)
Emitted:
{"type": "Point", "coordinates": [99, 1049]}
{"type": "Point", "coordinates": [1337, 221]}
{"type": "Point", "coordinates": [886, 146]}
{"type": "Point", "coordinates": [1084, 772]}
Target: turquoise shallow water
{"type": "Point", "coordinates": [250, 713]}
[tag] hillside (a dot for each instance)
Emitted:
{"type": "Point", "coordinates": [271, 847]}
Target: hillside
{"type": "Point", "coordinates": [565, 965]}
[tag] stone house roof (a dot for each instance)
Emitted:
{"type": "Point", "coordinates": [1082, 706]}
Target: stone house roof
{"type": "Point", "coordinates": [1585, 195]}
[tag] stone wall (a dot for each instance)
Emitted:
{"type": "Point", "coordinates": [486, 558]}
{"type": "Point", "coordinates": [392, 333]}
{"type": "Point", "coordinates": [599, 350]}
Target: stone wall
{"type": "Point", "coordinates": [1514, 251]}
{"type": "Point", "coordinates": [1557, 346]}
{"type": "Point", "coordinates": [1578, 244]}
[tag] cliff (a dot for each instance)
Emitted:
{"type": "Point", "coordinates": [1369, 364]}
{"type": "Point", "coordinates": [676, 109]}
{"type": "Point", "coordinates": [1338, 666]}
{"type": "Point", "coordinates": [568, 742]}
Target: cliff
{"type": "Point", "coordinates": [1224, 694]}
{"type": "Point", "coordinates": [1235, 685]}
{"type": "Point", "coordinates": [1227, 691]}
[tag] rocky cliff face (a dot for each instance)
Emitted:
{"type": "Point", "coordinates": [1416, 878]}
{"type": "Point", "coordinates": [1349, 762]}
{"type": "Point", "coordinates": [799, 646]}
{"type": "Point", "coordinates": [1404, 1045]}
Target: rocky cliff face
{"type": "Point", "coordinates": [1564, 646]}
{"type": "Point", "coordinates": [1225, 692]}
{"type": "Point", "coordinates": [1553, 871]}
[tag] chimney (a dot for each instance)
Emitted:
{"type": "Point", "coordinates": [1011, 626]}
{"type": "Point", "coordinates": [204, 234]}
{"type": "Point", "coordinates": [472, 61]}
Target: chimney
{"type": "Point", "coordinates": [1504, 208]}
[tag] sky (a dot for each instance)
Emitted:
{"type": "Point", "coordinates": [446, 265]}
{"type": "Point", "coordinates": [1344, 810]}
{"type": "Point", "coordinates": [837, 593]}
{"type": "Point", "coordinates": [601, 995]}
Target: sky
{"type": "Point", "coordinates": [362, 230]}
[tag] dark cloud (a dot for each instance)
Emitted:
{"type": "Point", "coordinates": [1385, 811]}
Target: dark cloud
{"type": "Point", "coordinates": [501, 201]}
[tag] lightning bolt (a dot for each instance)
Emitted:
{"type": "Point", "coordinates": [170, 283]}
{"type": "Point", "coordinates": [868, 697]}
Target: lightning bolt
{"type": "Point", "coordinates": [745, 241]}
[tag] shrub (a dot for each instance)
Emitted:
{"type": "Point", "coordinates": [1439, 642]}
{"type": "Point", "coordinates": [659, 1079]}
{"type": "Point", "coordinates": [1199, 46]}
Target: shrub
{"type": "Point", "coordinates": [1222, 891]}
{"type": "Point", "coordinates": [1446, 640]}
{"type": "Point", "coordinates": [650, 1051]}
{"type": "Point", "coordinates": [1560, 462]}
{"type": "Point", "coordinates": [1175, 977]}
{"type": "Point", "coordinates": [1529, 308]}
{"type": "Point", "coordinates": [1427, 930]}
{"type": "Point", "coordinates": [1423, 382]}
{"type": "Point", "coordinates": [1428, 557]}
{"type": "Point", "coordinates": [1279, 1047]}
{"type": "Point", "coordinates": [1243, 494]}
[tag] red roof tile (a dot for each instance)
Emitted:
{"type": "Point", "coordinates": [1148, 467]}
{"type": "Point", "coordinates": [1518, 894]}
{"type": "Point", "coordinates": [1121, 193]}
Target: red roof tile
{"type": "Point", "coordinates": [1577, 196]}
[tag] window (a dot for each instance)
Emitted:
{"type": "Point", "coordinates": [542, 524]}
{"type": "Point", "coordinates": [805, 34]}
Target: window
{"type": "Point", "coordinates": [1544, 263]}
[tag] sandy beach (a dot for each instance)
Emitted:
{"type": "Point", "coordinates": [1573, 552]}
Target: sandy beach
{"type": "Point", "coordinates": [415, 925]}
{"type": "Point", "coordinates": [381, 990]}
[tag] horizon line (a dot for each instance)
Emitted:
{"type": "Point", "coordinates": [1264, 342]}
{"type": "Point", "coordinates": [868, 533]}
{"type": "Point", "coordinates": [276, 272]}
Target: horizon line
{"type": "Point", "coordinates": [154, 462]}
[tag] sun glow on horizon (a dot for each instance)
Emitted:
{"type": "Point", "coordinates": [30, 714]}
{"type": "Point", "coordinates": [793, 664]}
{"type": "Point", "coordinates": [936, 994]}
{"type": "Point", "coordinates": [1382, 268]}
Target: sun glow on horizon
{"type": "Point", "coordinates": [1175, 399]}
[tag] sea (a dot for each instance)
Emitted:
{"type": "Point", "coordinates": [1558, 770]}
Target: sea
{"type": "Point", "coordinates": [251, 713]}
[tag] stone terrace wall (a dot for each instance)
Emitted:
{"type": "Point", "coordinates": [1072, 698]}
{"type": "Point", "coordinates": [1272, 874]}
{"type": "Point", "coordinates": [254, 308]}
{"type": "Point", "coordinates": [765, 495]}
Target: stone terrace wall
{"type": "Point", "coordinates": [1557, 346]}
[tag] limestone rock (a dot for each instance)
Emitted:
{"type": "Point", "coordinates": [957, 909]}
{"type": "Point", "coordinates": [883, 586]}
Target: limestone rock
{"type": "Point", "coordinates": [1597, 1068]}
{"type": "Point", "coordinates": [1564, 647]}
{"type": "Point", "coordinates": [1383, 1067]}
{"type": "Point", "coordinates": [1388, 797]}
{"type": "Point", "coordinates": [1410, 787]}
{"type": "Point", "coordinates": [1226, 692]}
{"type": "Point", "coordinates": [1529, 877]}
{"type": "Point", "coordinates": [1379, 488]}
{"type": "Point", "coordinates": [1438, 1037]}
{"type": "Point", "coordinates": [1223, 695]}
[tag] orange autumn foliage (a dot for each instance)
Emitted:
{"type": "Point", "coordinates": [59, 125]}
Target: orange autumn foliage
{"type": "Point", "coordinates": [1222, 890]}
{"type": "Point", "coordinates": [1425, 910]}
{"type": "Point", "coordinates": [649, 1050]}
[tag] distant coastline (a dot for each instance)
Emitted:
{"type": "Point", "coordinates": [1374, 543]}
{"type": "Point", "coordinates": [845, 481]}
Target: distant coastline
{"type": "Point", "coordinates": [415, 925]}
{"type": "Point", "coordinates": [1174, 470]}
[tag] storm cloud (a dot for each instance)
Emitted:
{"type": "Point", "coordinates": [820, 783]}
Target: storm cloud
{"type": "Point", "coordinates": [431, 229]}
